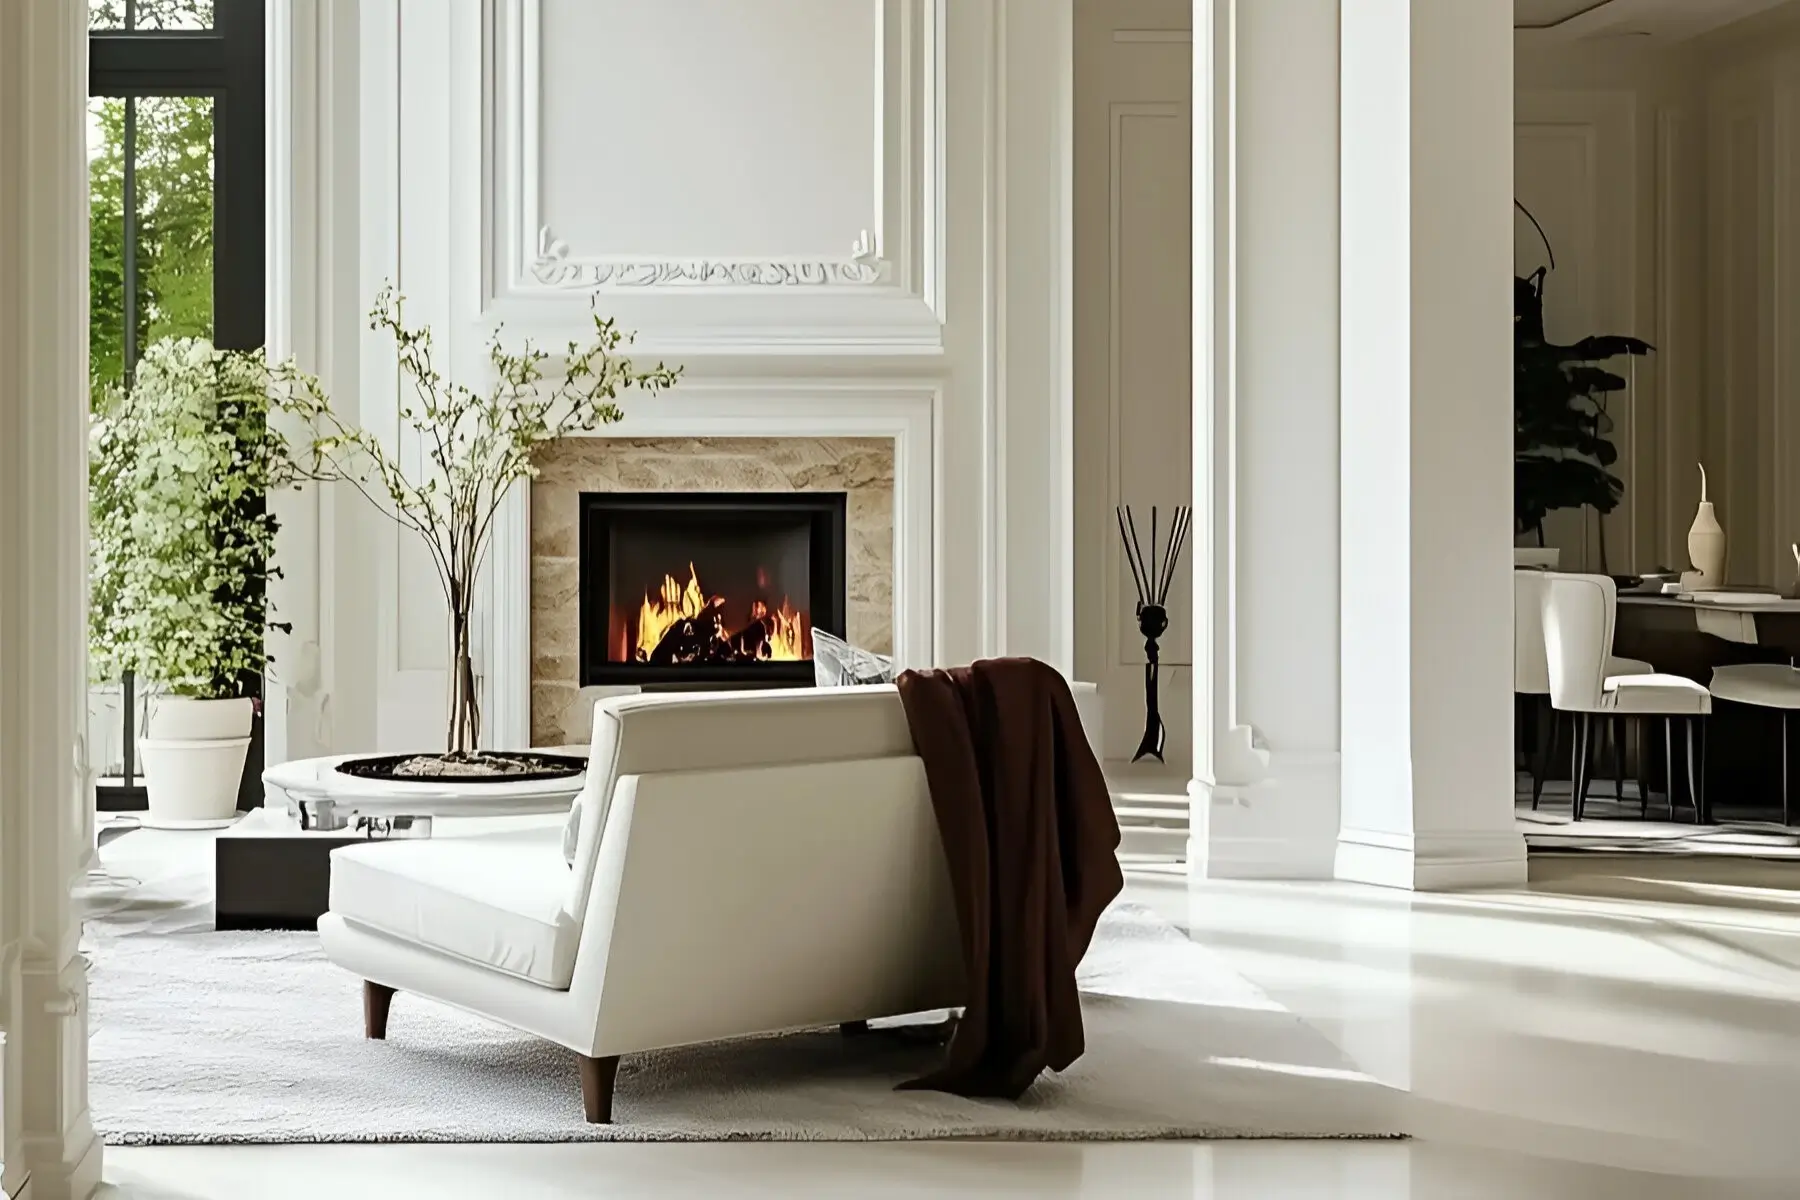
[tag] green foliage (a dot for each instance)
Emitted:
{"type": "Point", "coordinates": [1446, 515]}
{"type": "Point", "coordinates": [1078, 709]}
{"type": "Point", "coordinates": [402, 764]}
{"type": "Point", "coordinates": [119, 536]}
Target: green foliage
{"type": "Point", "coordinates": [174, 183]}
{"type": "Point", "coordinates": [473, 446]}
{"type": "Point", "coordinates": [1561, 444]}
{"type": "Point", "coordinates": [151, 14]}
{"type": "Point", "coordinates": [181, 540]}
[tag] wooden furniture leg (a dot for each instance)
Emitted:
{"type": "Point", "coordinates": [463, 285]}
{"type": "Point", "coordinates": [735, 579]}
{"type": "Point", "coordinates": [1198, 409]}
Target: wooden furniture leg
{"type": "Point", "coordinates": [597, 1078]}
{"type": "Point", "coordinates": [377, 999]}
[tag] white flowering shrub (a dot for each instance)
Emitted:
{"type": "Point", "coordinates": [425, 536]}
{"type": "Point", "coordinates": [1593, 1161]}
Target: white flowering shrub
{"type": "Point", "coordinates": [180, 537]}
{"type": "Point", "coordinates": [474, 445]}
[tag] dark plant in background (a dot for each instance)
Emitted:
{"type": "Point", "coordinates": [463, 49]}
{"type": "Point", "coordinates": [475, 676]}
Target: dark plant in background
{"type": "Point", "coordinates": [1562, 451]}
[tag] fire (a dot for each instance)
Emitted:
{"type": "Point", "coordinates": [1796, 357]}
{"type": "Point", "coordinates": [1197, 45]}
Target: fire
{"type": "Point", "coordinates": [674, 603]}
{"type": "Point", "coordinates": [785, 630]}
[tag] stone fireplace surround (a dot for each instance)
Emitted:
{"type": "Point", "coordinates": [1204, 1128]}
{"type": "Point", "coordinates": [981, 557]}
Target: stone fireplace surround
{"type": "Point", "coordinates": [902, 415]}
{"type": "Point", "coordinates": [860, 467]}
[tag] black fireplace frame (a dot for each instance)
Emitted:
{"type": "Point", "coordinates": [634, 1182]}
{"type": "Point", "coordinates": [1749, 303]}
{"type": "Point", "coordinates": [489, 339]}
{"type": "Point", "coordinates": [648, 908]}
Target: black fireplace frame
{"type": "Point", "coordinates": [829, 584]}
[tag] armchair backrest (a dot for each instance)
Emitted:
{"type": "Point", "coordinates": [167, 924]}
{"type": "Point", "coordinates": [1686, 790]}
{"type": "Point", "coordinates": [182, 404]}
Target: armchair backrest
{"type": "Point", "coordinates": [653, 734]}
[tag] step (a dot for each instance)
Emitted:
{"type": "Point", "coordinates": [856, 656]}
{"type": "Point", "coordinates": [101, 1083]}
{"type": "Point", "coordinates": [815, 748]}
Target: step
{"type": "Point", "coordinates": [1147, 841]}
{"type": "Point", "coordinates": [1144, 814]}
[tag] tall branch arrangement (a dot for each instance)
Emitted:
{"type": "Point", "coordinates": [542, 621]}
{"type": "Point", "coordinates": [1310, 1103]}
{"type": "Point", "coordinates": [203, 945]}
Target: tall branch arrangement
{"type": "Point", "coordinates": [475, 446]}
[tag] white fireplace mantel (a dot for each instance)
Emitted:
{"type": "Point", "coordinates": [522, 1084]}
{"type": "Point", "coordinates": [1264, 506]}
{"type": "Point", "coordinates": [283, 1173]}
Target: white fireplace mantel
{"type": "Point", "coordinates": [907, 411]}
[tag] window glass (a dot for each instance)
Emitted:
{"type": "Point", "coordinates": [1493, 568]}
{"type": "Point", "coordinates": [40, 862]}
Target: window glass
{"type": "Point", "coordinates": [150, 14]}
{"type": "Point", "coordinates": [161, 211]}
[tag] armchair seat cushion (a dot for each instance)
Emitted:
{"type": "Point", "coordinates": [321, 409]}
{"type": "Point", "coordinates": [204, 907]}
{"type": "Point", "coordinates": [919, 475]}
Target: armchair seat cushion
{"type": "Point", "coordinates": [1656, 695]}
{"type": "Point", "coordinates": [496, 901]}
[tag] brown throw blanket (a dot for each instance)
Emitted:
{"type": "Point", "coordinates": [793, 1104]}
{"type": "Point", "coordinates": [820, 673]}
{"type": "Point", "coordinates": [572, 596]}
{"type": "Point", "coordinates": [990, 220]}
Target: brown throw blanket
{"type": "Point", "coordinates": [1032, 843]}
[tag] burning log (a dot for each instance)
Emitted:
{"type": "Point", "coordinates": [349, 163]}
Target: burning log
{"type": "Point", "coordinates": [692, 640]}
{"type": "Point", "coordinates": [680, 623]}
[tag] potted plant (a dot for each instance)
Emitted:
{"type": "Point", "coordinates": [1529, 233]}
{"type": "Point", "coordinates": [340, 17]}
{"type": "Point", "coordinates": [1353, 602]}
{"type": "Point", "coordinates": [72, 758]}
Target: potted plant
{"type": "Point", "coordinates": [180, 539]}
{"type": "Point", "coordinates": [1562, 450]}
{"type": "Point", "coordinates": [474, 445]}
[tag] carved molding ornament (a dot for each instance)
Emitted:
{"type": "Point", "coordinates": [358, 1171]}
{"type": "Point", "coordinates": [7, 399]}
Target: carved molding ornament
{"type": "Point", "coordinates": [555, 269]}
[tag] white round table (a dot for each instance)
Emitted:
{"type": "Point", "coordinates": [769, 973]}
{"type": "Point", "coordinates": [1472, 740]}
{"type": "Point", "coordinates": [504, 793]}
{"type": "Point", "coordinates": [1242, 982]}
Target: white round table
{"type": "Point", "coordinates": [324, 798]}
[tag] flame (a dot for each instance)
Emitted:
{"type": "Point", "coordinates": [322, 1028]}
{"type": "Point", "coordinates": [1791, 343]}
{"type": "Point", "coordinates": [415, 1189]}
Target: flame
{"type": "Point", "coordinates": [787, 634]}
{"type": "Point", "coordinates": [787, 629]}
{"type": "Point", "coordinates": [672, 604]}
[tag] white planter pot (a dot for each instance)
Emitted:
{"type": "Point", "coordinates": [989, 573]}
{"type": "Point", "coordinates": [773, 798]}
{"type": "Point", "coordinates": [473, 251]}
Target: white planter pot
{"type": "Point", "coordinates": [194, 760]}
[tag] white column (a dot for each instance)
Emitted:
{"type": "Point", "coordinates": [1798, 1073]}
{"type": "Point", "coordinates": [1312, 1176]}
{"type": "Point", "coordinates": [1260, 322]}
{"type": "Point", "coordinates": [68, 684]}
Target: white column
{"type": "Point", "coordinates": [1265, 793]}
{"type": "Point", "coordinates": [49, 1145]}
{"type": "Point", "coordinates": [315, 315]}
{"type": "Point", "coordinates": [1427, 117]}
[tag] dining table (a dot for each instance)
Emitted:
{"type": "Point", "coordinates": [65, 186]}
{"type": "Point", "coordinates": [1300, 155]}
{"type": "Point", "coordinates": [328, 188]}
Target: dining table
{"type": "Point", "coordinates": [1680, 635]}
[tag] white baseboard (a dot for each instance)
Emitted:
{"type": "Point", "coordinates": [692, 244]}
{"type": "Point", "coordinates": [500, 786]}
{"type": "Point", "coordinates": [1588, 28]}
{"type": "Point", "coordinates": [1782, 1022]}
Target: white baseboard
{"type": "Point", "coordinates": [1431, 862]}
{"type": "Point", "coordinates": [1284, 826]}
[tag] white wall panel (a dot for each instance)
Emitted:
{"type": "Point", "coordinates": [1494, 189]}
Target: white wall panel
{"type": "Point", "coordinates": [1133, 328]}
{"type": "Point", "coordinates": [710, 128]}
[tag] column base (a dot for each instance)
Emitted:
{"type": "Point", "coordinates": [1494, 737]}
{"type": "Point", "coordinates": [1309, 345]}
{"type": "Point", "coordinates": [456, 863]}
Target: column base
{"type": "Point", "coordinates": [54, 1177]}
{"type": "Point", "coordinates": [63, 1154]}
{"type": "Point", "coordinates": [1431, 862]}
{"type": "Point", "coordinates": [1283, 826]}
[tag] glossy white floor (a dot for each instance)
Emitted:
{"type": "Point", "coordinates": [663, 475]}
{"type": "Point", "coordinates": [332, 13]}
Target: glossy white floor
{"type": "Point", "coordinates": [1626, 1039]}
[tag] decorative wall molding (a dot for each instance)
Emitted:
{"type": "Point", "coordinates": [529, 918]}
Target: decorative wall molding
{"type": "Point", "coordinates": [748, 304]}
{"type": "Point", "coordinates": [1171, 37]}
{"type": "Point", "coordinates": [554, 268]}
{"type": "Point", "coordinates": [1126, 646]}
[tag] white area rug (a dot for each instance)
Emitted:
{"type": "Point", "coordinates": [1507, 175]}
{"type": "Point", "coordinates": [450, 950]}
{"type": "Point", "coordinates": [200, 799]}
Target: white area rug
{"type": "Point", "coordinates": [200, 1036]}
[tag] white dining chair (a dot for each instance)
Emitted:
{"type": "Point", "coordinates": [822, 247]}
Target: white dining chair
{"type": "Point", "coordinates": [1531, 673]}
{"type": "Point", "coordinates": [1765, 685]}
{"type": "Point", "coordinates": [1579, 612]}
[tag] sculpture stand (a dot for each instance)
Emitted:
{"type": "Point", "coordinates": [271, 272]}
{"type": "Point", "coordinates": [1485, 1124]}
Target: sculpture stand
{"type": "Point", "coordinates": [1152, 581]}
{"type": "Point", "coordinates": [1153, 622]}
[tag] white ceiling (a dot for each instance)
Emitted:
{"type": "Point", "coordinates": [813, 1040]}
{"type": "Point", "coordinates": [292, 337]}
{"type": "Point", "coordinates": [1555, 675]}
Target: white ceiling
{"type": "Point", "coordinates": [1664, 20]}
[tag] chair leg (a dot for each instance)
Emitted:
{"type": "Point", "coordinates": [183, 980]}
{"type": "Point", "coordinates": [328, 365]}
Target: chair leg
{"type": "Point", "coordinates": [597, 1078]}
{"type": "Point", "coordinates": [1702, 810]}
{"type": "Point", "coordinates": [377, 999]}
{"type": "Point", "coordinates": [1540, 770]}
{"type": "Point", "coordinates": [1584, 750]}
{"type": "Point", "coordinates": [1692, 772]}
{"type": "Point", "coordinates": [1643, 765]}
{"type": "Point", "coordinates": [1787, 804]}
{"type": "Point", "coordinates": [1669, 764]}
{"type": "Point", "coordinates": [1619, 760]}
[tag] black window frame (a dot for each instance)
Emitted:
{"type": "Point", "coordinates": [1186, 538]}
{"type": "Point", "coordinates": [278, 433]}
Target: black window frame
{"type": "Point", "coordinates": [226, 63]}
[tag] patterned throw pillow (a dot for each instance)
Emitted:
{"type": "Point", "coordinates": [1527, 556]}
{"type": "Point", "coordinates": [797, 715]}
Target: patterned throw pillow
{"type": "Point", "coordinates": [836, 663]}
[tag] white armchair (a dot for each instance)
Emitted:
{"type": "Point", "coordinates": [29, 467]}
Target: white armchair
{"type": "Point", "coordinates": [740, 863]}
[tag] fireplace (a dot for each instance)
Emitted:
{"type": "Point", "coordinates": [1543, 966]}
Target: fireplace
{"type": "Point", "coordinates": [708, 588]}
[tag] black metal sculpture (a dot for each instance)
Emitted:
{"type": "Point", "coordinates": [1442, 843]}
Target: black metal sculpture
{"type": "Point", "coordinates": [1153, 581]}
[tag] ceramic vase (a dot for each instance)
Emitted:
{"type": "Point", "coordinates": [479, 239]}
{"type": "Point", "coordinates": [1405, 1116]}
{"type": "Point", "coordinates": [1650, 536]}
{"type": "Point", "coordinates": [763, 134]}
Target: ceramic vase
{"type": "Point", "coordinates": [1706, 545]}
